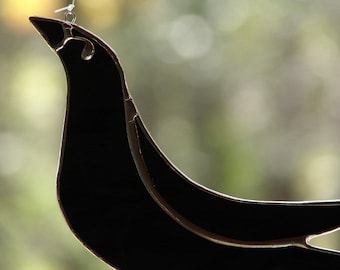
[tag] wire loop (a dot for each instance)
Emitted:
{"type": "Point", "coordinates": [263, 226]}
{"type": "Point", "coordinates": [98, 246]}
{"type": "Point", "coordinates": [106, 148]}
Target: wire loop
{"type": "Point", "coordinates": [70, 15]}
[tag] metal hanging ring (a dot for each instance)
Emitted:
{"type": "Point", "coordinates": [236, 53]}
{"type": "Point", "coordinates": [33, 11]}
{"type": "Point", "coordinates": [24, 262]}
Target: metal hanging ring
{"type": "Point", "coordinates": [70, 16]}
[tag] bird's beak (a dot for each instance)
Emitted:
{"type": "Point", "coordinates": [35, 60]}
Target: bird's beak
{"type": "Point", "coordinates": [50, 29]}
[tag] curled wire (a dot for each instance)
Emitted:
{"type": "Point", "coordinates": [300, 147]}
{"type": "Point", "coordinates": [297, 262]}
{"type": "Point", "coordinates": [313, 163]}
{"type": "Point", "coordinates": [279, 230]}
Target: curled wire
{"type": "Point", "coordinates": [70, 15]}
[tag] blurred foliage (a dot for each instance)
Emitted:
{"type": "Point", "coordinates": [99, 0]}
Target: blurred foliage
{"type": "Point", "coordinates": [242, 95]}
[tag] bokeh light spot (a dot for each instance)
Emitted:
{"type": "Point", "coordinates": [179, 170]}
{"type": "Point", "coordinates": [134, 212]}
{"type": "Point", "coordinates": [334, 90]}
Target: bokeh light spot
{"type": "Point", "coordinates": [15, 13]}
{"type": "Point", "coordinates": [191, 36]}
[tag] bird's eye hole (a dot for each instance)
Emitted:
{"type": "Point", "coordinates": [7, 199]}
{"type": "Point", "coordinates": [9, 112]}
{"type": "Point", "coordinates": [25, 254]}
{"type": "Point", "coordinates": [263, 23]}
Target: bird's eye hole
{"type": "Point", "coordinates": [88, 51]}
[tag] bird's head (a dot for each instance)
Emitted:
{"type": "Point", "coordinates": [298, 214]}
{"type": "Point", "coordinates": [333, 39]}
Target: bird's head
{"type": "Point", "coordinates": [58, 33]}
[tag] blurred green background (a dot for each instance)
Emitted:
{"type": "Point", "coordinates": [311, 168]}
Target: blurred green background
{"type": "Point", "coordinates": [242, 95]}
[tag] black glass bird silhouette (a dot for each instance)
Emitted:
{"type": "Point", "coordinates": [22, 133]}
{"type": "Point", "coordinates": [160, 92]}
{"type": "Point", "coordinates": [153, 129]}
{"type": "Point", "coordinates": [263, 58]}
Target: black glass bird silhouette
{"type": "Point", "coordinates": [127, 203]}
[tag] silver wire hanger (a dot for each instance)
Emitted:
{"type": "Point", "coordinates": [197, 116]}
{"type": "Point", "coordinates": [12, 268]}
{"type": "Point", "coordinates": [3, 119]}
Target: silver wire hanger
{"type": "Point", "coordinates": [70, 15]}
